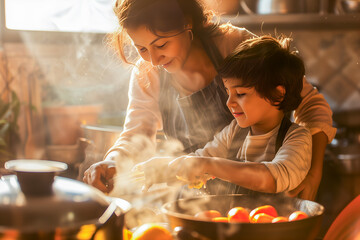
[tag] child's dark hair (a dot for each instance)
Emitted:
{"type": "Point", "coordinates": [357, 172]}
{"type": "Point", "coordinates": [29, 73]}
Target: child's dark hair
{"type": "Point", "coordinates": [265, 63]}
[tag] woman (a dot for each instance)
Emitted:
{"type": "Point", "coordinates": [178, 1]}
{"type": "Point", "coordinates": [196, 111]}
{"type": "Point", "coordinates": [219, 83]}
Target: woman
{"type": "Point", "coordinates": [174, 86]}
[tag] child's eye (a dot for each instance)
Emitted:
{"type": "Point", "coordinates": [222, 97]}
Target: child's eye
{"type": "Point", "coordinates": [240, 94]}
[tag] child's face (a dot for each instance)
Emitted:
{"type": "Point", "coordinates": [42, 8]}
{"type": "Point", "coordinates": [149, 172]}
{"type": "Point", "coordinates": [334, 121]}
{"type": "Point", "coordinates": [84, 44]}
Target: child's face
{"type": "Point", "coordinates": [250, 109]}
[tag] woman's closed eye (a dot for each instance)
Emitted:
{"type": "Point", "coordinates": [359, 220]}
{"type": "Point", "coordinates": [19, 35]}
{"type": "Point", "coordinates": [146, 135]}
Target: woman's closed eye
{"type": "Point", "coordinates": [142, 50]}
{"type": "Point", "coordinates": [162, 46]}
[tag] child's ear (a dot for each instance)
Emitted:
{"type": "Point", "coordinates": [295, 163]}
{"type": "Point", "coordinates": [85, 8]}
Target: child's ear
{"type": "Point", "coordinates": [281, 90]}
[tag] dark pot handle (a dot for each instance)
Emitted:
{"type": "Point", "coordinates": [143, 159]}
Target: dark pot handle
{"type": "Point", "coordinates": [185, 234]}
{"type": "Point", "coordinates": [111, 210]}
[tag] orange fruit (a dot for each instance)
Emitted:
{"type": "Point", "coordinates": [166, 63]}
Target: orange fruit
{"type": "Point", "coordinates": [297, 215]}
{"type": "Point", "coordinates": [151, 231]}
{"type": "Point", "coordinates": [280, 219]}
{"type": "Point", "coordinates": [220, 219]}
{"type": "Point", "coordinates": [127, 234]}
{"type": "Point", "coordinates": [262, 218]}
{"type": "Point", "coordinates": [208, 214]}
{"type": "Point", "coordinates": [267, 209]}
{"type": "Point", "coordinates": [238, 214]}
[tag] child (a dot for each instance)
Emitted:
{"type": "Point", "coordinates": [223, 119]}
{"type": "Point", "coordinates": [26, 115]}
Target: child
{"type": "Point", "coordinates": [260, 150]}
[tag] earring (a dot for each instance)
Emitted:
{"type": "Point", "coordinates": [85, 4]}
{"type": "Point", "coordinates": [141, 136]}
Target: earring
{"type": "Point", "coordinates": [191, 34]}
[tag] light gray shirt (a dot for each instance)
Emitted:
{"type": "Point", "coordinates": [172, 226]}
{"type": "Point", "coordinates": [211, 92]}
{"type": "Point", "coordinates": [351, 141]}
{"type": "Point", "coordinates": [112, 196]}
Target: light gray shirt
{"type": "Point", "coordinates": [288, 166]}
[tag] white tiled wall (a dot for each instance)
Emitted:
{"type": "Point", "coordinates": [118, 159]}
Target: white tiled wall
{"type": "Point", "coordinates": [332, 60]}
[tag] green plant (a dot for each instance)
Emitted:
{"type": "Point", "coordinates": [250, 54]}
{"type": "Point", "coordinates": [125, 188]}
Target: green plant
{"type": "Point", "coordinates": [9, 129]}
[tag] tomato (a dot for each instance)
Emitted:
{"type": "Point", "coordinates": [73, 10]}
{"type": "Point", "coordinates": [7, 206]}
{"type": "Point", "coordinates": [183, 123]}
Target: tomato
{"type": "Point", "coordinates": [262, 218]}
{"type": "Point", "coordinates": [280, 219]}
{"type": "Point", "coordinates": [220, 219]}
{"type": "Point", "coordinates": [267, 209]}
{"type": "Point", "coordinates": [297, 215]}
{"type": "Point", "coordinates": [152, 231]}
{"type": "Point", "coordinates": [208, 214]}
{"type": "Point", "coordinates": [238, 214]}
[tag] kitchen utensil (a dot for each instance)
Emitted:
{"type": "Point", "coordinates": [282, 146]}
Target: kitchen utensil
{"type": "Point", "coordinates": [181, 214]}
{"type": "Point", "coordinates": [72, 210]}
{"type": "Point", "coordinates": [347, 118]}
{"type": "Point", "coordinates": [346, 158]}
{"type": "Point", "coordinates": [102, 137]}
{"type": "Point", "coordinates": [350, 6]}
{"type": "Point", "coordinates": [69, 154]}
{"type": "Point", "coordinates": [35, 176]}
{"type": "Point", "coordinates": [282, 6]}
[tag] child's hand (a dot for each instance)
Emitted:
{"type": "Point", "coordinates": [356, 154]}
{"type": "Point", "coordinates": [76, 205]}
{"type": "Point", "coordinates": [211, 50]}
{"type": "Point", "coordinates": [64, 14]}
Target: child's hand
{"type": "Point", "coordinates": [190, 169]}
{"type": "Point", "coordinates": [155, 170]}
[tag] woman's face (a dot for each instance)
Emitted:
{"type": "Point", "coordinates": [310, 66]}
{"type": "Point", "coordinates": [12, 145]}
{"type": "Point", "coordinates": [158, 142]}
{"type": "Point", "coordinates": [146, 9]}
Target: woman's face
{"type": "Point", "coordinates": [169, 51]}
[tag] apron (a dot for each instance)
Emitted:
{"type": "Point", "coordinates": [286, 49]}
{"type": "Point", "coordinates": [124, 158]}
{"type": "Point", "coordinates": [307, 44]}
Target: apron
{"type": "Point", "coordinates": [219, 187]}
{"type": "Point", "coordinates": [194, 119]}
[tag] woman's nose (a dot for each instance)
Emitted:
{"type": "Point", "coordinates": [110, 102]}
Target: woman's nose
{"type": "Point", "coordinates": [154, 58]}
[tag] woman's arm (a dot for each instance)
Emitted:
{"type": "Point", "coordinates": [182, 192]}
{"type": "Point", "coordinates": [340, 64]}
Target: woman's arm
{"type": "Point", "coordinates": [143, 119]}
{"type": "Point", "coordinates": [309, 186]}
{"type": "Point", "coordinates": [314, 113]}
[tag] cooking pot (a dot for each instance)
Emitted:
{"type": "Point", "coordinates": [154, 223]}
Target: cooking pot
{"type": "Point", "coordinates": [70, 210]}
{"type": "Point", "coordinates": [181, 214]}
{"type": "Point", "coordinates": [347, 118]}
{"type": "Point", "coordinates": [282, 6]}
{"type": "Point", "coordinates": [345, 158]}
{"type": "Point", "coordinates": [102, 137]}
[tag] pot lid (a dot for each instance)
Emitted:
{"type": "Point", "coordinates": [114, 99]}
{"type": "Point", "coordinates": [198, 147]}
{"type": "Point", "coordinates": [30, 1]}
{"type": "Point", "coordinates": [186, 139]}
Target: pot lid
{"type": "Point", "coordinates": [71, 204]}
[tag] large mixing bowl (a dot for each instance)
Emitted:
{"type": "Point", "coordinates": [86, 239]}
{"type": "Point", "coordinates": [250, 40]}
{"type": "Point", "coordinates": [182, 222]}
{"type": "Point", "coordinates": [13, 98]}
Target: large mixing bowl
{"type": "Point", "coordinates": [181, 214]}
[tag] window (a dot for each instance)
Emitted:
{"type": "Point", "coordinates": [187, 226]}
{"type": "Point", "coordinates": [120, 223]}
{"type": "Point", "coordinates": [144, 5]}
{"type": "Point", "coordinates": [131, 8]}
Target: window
{"type": "Point", "coordinates": [95, 16]}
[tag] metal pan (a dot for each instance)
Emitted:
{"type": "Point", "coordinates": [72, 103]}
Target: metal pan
{"type": "Point", "coordinates": [181, 214]}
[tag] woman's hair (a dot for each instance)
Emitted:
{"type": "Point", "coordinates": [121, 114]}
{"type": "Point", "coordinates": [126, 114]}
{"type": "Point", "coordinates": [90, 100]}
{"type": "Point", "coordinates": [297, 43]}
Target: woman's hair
{"type": "Point", "coordinates": [159, 16]}
{"type": "Point", "coordinates": [265, 63]}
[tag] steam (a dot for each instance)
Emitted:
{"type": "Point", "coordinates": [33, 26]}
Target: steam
{"type": "Point", "coordinates": [128, 182]}
{"type": "Point", "coordinates": [140, 148]}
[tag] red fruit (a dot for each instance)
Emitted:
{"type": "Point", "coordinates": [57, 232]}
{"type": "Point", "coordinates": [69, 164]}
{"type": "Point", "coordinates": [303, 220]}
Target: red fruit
{"type": "Point", "coordinates": [267, 209]}
{"type": "Point", "coordinates": [208, 214]}
{"type": "Point", "coordinates": [220, 219]}
{"type": "Point", "coordinates": [262, 218]}
{"type": "Point", "coordinates": [280, 219]}
{"type": "Point", "coordinates": [297, 215]}
{"type": "Point", "coordinates": [238, 214]}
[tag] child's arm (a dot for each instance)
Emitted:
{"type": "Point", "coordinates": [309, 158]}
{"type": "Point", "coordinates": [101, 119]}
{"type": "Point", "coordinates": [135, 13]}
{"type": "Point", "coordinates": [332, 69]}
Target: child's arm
{"type": "Point", "coordinates": [293, 160]}
{"type": "Point", "coordinates": [283, 173]}
{"type": "Point", "coordinates": [254, 176]}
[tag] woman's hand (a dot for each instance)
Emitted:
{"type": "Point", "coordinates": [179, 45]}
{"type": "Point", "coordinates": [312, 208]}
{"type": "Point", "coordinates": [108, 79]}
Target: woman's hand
{"type": "Point", "coordinates": [308, 187]}
{"type": "Point", "coordinates": [100, 175]}
{"type": "Point", "coordinates": [155, 170]}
